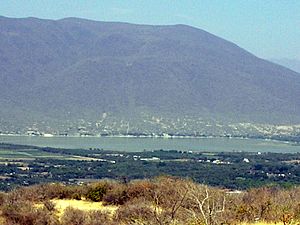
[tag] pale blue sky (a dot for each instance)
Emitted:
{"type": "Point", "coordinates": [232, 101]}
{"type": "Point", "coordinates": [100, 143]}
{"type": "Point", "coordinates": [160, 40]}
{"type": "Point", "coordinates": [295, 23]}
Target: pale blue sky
{"type": "Point", "coordinates": [267, 28]}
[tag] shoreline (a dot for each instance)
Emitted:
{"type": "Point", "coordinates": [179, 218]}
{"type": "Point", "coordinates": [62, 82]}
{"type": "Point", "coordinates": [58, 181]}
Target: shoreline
{"type": "Point", "coordinates": [153, 137]}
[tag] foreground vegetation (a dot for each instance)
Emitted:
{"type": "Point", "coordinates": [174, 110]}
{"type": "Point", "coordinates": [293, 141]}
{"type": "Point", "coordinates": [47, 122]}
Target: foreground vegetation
{"type": "Point", "coordinates": [162, 200]}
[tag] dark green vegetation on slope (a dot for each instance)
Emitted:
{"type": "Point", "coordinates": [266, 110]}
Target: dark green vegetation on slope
{"type": "Point", "coordinates": [27, 165]}
{"type": "Point", "coordinates": [53, 70]}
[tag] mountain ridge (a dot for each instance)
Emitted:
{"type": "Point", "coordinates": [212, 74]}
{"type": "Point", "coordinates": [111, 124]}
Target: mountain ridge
{"type": "Point", "coordinates": [73, 68]}
{"type": "Point", "coordinates": [292, 64]}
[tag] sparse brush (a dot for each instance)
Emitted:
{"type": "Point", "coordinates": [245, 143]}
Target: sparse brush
{"type": "Point", "coordinates": [164, 200]}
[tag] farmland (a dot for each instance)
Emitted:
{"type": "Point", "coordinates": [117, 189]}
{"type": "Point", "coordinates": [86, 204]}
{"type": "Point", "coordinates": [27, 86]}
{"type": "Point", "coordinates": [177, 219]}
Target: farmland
{"type": "Point", "coordinates": [22, 165]}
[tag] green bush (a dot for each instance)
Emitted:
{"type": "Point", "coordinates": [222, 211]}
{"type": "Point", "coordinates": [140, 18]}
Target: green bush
{"type": "Point", "coordinates": [96, 192]}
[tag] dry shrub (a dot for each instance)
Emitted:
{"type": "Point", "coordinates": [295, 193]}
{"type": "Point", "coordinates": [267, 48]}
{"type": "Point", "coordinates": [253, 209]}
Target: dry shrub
{"type": "Point", "coordinates": [168, 197]}
{"type": "Point", "coordinates": [204, 205]}
{"type": "Point", "coordinates": [98, 218]}
{"type": "Point", "coordinates": [60, 191]}
{"type": "Point", "coordinates": [167, 191]}
{"type": "Point", "coordinates": [266, 204]}
{"type": "Point", "coordinates": [117, 195]}
{"type": "Point", "coordinates": [2, 198]}
{"type": "Point", "coordinates": [42, 192]}
{"type": "Point", "coordinates": [135, 212]}
{"type": "Point", "coordinates": [73, 216]}
{"type": "Point", "coordinates": [50, 206]}
{"type": "Point", "coordinates": [120, 193]}
{"type": "Point", "coordinates": [138, 189]}
{"type": "Point", "coordinates": [163, 200]}
{"type": "Point", "coordinates": [23, 213]}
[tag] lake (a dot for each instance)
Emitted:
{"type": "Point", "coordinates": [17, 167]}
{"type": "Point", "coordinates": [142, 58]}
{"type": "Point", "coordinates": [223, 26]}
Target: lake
{"type": "Point", "coordinates": [132, 144]}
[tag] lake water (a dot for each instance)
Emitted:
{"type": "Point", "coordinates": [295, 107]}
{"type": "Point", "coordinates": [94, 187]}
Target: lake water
{"type": "Point", "coordinates": [131, 144]}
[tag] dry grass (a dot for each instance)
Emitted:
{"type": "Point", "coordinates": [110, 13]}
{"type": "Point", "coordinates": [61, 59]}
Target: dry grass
{"type": "Point", "coordinates": [62, 204]}
{"type": "Point", "coordinates": [262, 223]}
{"type": "Point", "coordinates": [2, 220]}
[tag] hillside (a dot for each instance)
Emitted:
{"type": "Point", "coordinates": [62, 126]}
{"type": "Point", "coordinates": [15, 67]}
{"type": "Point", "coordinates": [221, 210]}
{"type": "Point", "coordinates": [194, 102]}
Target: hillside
{"type": "Point", "coordinates": [163, 200]}
{"type": "Point", "coordinates": [75, 68]}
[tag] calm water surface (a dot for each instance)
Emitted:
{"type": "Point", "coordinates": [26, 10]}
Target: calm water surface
{"type": "Point", "coordinates": [139, 144]}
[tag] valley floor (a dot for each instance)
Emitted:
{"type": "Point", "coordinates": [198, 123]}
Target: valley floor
{"type": "Point", "coordinates": [22, 165]}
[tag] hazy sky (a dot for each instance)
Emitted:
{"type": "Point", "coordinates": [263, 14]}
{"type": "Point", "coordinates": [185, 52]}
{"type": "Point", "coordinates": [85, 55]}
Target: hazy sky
{"type": "Point", "coordinates": [267, 28]}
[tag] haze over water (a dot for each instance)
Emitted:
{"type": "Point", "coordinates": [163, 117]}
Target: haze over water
{"type": "Point", "coordinates": [140, 144]}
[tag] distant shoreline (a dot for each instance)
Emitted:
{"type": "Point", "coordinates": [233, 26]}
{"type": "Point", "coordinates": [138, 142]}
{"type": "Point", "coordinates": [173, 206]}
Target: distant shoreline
{"type": "Point", "coordinates": [155, 137]}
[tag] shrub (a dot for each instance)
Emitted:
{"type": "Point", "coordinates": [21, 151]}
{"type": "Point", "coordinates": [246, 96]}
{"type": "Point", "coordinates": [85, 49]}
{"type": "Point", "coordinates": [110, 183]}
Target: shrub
{"type": "Point", "coordinates": [135, 212]}
{"type": "Point", "coordinates": [164, 200]}
{"type": "Point", "coordinates": [97, 191]}
{"type": "Point", "coordinates": [139, 189]}
{"type": "Point", "coordinates": [97, 218]}
{"type": "Point", "coordinates": [116, 195]}
{"type": "Point", "coordinates": [76, 196]}
{"type": "Point", "coordinates": [2, 198]}
{"type": "Point", "coordinates": [23, 213]}
{"type": "Point", "coordinates": [73, 216]}
{"type": "Point", "coordinates": [50, 206]}
{"type": "Point", "coordinates": [121, 193]}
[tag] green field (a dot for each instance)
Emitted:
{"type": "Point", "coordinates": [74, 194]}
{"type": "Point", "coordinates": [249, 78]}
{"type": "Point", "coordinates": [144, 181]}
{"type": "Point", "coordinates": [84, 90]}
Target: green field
{"type": "Point", "coordinates": [28, 154]}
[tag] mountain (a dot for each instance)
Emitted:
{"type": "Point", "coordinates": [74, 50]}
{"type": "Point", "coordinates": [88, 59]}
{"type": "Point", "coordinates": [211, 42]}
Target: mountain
{"type": "Point", "coordinates": [293, 64]}
{"type": "Point", "coordinates": [75, 68]}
